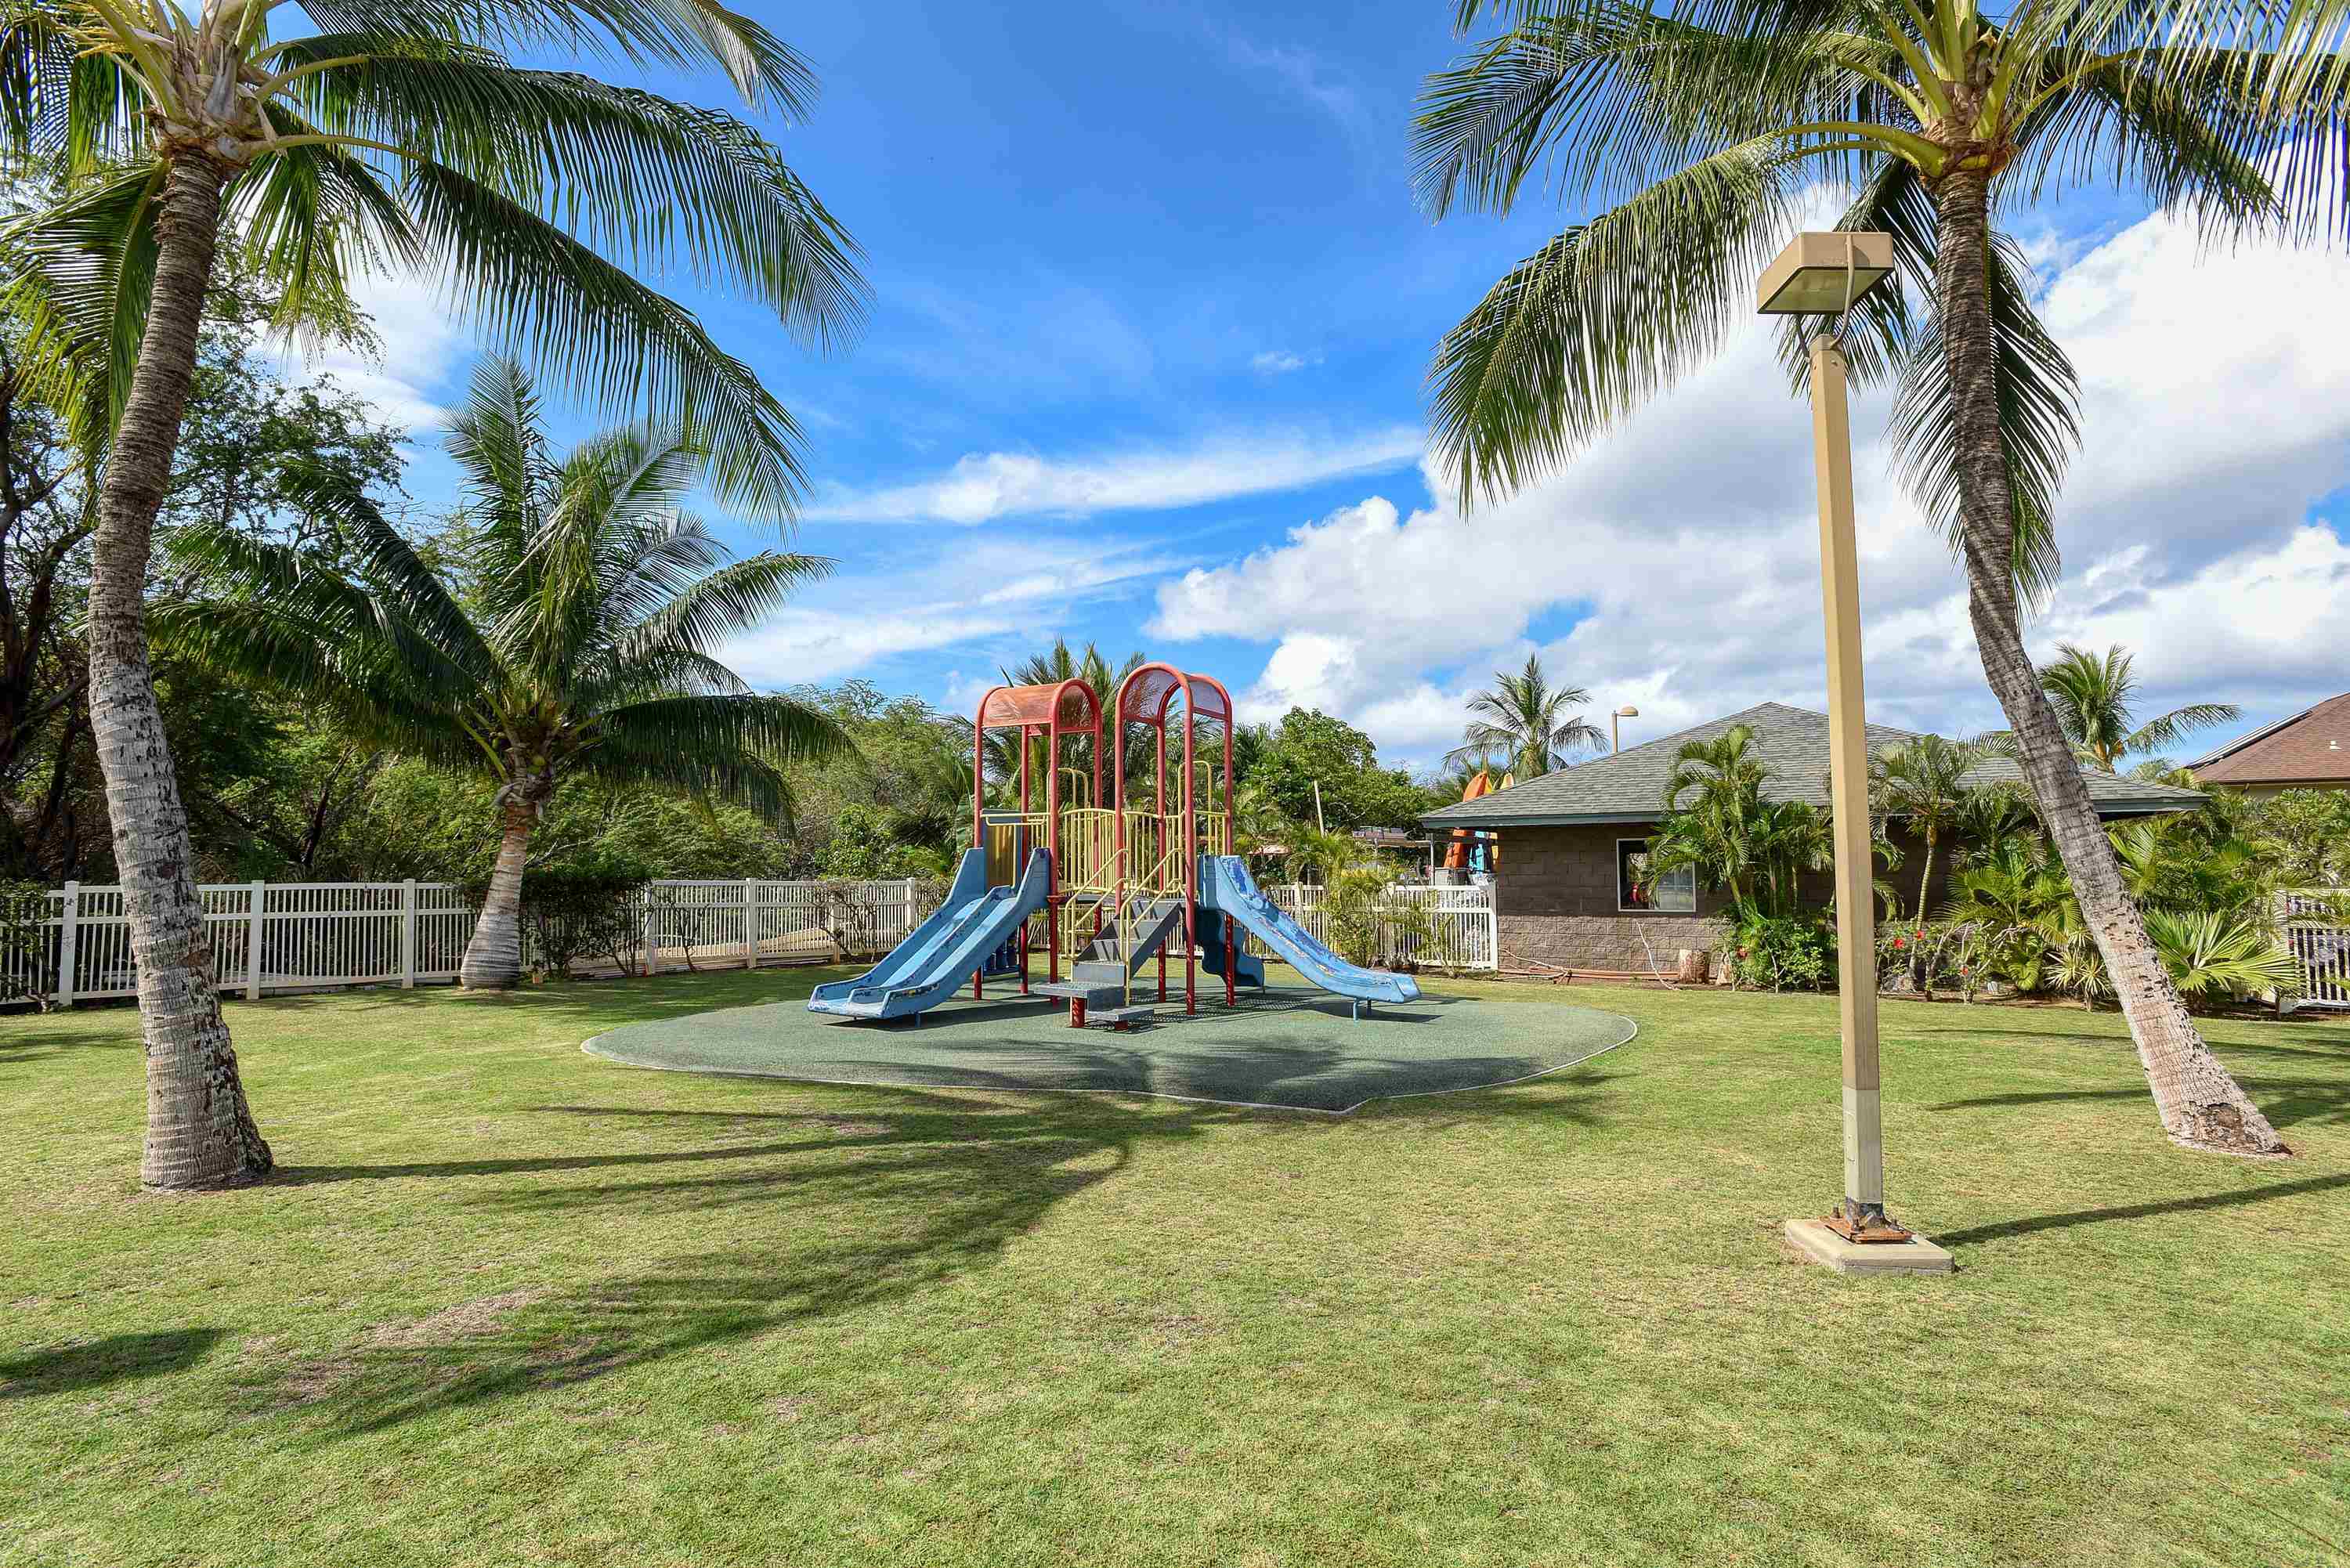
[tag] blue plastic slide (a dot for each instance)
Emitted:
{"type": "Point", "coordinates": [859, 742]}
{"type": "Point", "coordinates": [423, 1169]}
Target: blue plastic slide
{"type": "Point", "coordinates": [944, 951]}
{"type": "Point", "coordinates": [1226, 887]}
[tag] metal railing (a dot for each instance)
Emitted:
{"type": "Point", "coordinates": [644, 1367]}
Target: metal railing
{"type": "Point", "coordinates": [307, 936]}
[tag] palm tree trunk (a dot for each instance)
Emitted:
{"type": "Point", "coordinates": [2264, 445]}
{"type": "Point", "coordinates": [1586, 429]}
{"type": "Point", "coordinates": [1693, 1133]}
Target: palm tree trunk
{"type": "Point", "coordinates": [494, 956]}
{"type": "Point", "coordinates": [200, 1131]}
{"type": "Point", "coordinates": [2200, 1104]}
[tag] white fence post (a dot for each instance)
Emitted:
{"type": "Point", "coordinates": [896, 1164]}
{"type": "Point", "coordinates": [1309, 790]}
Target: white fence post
{"type": "Point", "coordinates": [260, 897]}
{"type": "Point", "coordinates": [408, 934]}
{"type": "Point", "coordinates": [645, 933]}
{"type": "Point", "coordinates": [68, 943]}
{"type": "Point", "coordinates": [751, 923]}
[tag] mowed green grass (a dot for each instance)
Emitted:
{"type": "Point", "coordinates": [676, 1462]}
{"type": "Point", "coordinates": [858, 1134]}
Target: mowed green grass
{"type": "Point", "coordinates": [508, 1304]}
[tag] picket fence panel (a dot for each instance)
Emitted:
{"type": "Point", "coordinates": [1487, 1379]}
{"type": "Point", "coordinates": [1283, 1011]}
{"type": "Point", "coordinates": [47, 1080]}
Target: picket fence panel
{"type": "Point", "coordinates": [2322, 947]}
{"type": "Point", "coordinates": [283, 936]}
{"type": "Point", "coordinates": [1464, 934]}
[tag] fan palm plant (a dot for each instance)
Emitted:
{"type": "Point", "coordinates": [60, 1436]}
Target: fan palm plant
{"type": "Point", "coordinates": [399, 135]}
{"type": "Point", "coordinates": [1699, 129]}
{"type": "Point", "coordinates": [580, 647]}
{"type": "Point", "coordinates": [2091, 693]}
{"type": "Point", "coordinates": [1526, 719]}
{"type": "Point", "coordinates": [1923, 782]}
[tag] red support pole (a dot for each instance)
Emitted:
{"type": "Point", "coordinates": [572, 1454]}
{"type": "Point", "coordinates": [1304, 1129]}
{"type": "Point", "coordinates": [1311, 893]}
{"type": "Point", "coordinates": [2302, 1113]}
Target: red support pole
{"type": "Point", "coordinates": [1190, 863]}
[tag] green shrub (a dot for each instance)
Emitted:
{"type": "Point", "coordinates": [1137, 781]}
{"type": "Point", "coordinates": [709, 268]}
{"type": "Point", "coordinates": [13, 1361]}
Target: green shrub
{"type": "Point", "coordinates": [1780, 952]}
{"type": "Point", "coordinates": [1362, 926]}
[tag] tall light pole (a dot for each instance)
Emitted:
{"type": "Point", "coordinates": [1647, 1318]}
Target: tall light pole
{"type": "Point", "coordinates": [1824, 275]}
{"type": "Point", "coordinates": [1616, 726]}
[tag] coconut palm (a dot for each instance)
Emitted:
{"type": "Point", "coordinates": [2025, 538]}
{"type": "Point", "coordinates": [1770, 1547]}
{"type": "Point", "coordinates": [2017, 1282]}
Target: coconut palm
{"type": "Point", "coordinates": [1700, 132]}
{"type": "Point", "coordinates": [1524, 718]}
{"type": "Point", "coordinates": [579, 646]}
{"type": "Point", "coordinates": [1924, 784]}
{"type": "Point", "coordinates": [2091, 693]}
{"type": "Point", "coordinates": [400, 135]}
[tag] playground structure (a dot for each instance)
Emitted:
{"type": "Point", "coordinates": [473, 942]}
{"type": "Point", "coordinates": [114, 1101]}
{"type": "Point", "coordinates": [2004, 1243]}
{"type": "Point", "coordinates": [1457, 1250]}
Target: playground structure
{"type": "Point", "coordinates": [1114, 884]}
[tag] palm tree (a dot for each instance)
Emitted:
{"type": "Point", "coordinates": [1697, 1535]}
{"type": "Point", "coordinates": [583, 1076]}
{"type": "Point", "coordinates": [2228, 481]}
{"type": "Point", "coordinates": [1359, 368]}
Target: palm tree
{"type": "Point", "coordinates": [1924, 782]}
{"type": "Point", "coordinates": [1700, 132]}
{"type": "Point", "coordinates": [1061, 662]}
{"type": "Point", "coordinates": [1528, 721]}
{"type": "Point", "coordinates": [1714, 810]}
{"type": "Point", "coordinates": [400, 136]}
{"type": "Point", "coordinates": [580, 648]}
{"type": "Point", "coordinates": [2091, 693]}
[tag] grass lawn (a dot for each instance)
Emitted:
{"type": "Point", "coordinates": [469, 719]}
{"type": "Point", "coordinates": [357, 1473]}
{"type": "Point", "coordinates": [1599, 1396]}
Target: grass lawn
{"type": "Point", "coordinates": [510, 1304]}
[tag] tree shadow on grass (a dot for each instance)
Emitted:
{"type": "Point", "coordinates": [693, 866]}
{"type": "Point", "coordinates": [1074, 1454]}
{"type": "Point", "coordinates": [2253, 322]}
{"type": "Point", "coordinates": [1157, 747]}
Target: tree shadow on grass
{"type": "Point", "coordinates": [2286, 1102]}
{"type": "Point", "coordinates": [55, 1034]}
{"type": "Point", "coordinates": [857, 1220]}
{"type": "Point", "coordinates": [90, 1364]}
{"type": "Point", "coordinates": [888, 1203]}
{"type": "Point", "coordinates": [2144, 1210]}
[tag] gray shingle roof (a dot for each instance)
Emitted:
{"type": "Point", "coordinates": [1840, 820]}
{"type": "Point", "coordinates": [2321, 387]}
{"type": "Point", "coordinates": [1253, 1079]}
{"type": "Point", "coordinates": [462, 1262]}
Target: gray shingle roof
{"type": "Point", "coordinates": [1793, 743]}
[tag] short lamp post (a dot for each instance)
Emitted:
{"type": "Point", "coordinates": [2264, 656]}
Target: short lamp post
{"type": "Point", "coordinates": [1616, 726]}
{"type": "Point", "coordinates": [1825, 274]}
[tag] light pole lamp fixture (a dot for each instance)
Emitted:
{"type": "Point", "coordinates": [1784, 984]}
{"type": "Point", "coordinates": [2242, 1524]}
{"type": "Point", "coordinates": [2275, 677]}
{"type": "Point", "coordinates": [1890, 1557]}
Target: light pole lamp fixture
{"type": "Point", "coordinates": [1616, 726]}
{"type": "Point", "coordinates": [1825, 275]}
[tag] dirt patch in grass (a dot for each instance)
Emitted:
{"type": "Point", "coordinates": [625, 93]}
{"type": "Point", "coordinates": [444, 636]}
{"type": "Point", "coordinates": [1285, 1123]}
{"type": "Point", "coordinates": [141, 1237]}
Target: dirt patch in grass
{"type": "Point", "coordinates": [478, 1316]}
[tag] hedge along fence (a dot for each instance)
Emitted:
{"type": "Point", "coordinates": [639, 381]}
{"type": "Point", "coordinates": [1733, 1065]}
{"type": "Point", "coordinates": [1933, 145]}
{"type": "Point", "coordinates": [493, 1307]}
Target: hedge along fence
{"type": "Point", "coordinates": [309, 936]}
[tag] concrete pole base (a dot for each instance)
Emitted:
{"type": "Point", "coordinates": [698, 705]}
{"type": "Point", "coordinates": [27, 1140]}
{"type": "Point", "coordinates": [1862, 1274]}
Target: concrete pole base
{"type": "Point", "coordinates": [1916, 1256]}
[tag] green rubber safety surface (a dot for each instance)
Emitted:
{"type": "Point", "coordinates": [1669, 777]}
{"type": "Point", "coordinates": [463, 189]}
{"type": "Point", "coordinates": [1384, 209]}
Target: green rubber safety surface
{"type": "Point", "coordinates": [1291, 1048]}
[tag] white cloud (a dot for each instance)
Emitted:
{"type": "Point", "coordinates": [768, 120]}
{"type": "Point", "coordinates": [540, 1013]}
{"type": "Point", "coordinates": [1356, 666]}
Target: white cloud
{"type": "Point", "coordinates": [1281, 362]}
{"type": "Point", "coordinates": [423, 347]}
{"type": "Point", "coordinates": [849, 624]}
{"type": "Point", "coordinates": [813, 645]}
{"type": "Point", "coordinates": [982, 486]}
{"type": "Point", "coordinates": [2216, 410]}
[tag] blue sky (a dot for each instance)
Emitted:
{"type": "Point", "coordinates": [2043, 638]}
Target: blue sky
{"type": "Point", "coordinates": [1153, 304]}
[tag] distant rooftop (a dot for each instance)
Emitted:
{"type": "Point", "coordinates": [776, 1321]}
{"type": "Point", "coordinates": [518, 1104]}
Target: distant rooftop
{"type": "Point", "coordinates": [2311, 747]}
{"type": "Point", "coordinates": [1792, 743]}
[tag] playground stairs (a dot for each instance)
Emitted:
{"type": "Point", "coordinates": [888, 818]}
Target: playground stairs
{"type": "Point", "coordinates": [1123, 944]}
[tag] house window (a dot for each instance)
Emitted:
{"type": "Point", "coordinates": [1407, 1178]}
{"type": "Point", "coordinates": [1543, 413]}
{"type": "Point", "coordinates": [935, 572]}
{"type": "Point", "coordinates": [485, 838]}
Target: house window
{"type": "Point", "coordinates": [1638, 889]}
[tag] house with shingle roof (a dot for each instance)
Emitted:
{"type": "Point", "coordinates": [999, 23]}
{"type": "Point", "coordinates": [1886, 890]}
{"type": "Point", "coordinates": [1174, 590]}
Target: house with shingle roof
{"type": "Point", "coordinates": [1566, 893]}
{"type": "Point", "coordinates": [2309, 751]}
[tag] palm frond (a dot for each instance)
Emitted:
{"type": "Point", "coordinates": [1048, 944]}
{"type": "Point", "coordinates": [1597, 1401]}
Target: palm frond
{"type": "Point", "coordinates": [635, 175]}
{"type": "Point", "coordinates": [1605, 317]}
{"type": "Point", "coordinates": [2039, 417]}
{"type": "Point", "coordinates": [527, 284]}
{"type": "Point", "coordinates": [79, 272]}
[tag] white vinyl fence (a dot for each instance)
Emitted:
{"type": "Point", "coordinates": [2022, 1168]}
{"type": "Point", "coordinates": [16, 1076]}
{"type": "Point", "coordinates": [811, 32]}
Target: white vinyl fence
{"type": "Point", "coordinates": [2321, 946]}
{"type": "Point", "coordinates": [1462, 934]}
{"type": "Point", "coordinates": [284, 936]}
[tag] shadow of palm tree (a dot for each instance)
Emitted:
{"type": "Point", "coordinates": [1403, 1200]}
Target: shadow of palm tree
{"type": "Point", "coordinates": [975, 1178]}
{"type": "Point", "coordinates": [2284, 1101]}
{"type": "Point", "coordinates": [97, 1362]}
{"type": "Point", "coordinates": [2207, 1202]}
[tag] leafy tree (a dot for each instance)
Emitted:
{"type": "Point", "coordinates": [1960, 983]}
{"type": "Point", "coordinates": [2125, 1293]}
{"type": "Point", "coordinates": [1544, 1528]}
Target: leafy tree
{"type": "Point", "coordinates": [1309, 747]}
{"type": "Point", "coordinates": [1698, 129]}
{"type": "Point", "coordinates": [2093, 693]}
{"type": "Point", "coordinates": [403, 135]}
{"type": "Point", "coordinates": [582, 649]}
{"type": "Point", "coordinates": [1524, 718]}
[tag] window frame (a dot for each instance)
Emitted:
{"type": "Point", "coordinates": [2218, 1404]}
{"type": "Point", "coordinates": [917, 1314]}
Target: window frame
{"type": "Point", "coordinates": [1623, 908]}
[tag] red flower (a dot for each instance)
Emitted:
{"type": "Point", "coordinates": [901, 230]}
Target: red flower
{"type": "Point", "coordinates": [1898, 943]}
{"type": "Point", "coordinates": [1922, 936]}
